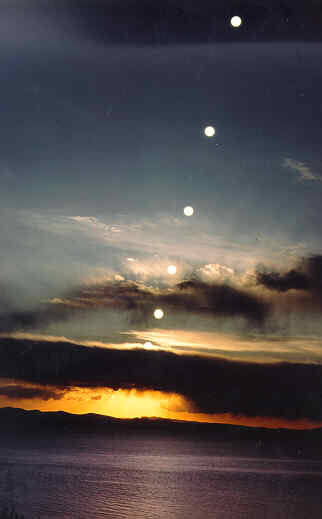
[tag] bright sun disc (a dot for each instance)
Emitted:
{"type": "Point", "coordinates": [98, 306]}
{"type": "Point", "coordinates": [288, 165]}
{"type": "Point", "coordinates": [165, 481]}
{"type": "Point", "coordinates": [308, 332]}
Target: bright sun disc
{"type": "Point", "coordinates": [236, 21]}
{"type": "Point", "coordinates": [148, 345]}
{"type": "Point", "coordinates": [158, 313]}
{"type": "Point", "coordinates": [210, 131]}
{"type": "Point", "coordinates": [188, 210]}
{"type": "Point", "coordinates": [172, 269]}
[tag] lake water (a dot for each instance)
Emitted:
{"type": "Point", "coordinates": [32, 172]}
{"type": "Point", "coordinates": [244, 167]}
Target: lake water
{"type": "Point", "coordinates": [152, 478]}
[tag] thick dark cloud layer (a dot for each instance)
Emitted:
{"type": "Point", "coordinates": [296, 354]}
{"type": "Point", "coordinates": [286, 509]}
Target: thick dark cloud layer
{"type": "Point", "coordinates": [306, 276]}
{"type": "Point", "coordinates": [292, 391]}
{"type": "Point", "coordinates": [140, 301]}
{"type": "Point", "coordinates": [189, 296]}
{"type": "Point", "coordinates": [15, 392]}
{"type": "Point", "coordinates": [28, 319]}
{"type": "Point", "coordinates": [220, 300]}
{"type": "Point", "coordinates": [283, 282]}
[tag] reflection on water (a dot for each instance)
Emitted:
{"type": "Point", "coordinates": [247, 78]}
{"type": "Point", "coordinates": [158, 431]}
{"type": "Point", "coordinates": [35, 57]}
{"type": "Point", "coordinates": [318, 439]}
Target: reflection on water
{"type": "Point", "coordinates": [150, 478]}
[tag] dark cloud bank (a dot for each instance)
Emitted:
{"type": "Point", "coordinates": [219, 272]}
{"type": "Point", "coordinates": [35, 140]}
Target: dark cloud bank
{"type": "Point", "coordinates": [292, 391]}
{"type": "Point", "coordinates": [306, 277]}
{"type": "Point", "coordinates": [139, 301]}
{"type": "Point", "coordinates": [191, 296]}
{"type": "Point", "coordinates": [19, 391]}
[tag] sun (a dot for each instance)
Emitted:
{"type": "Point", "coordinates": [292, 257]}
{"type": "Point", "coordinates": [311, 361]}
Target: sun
{"type": "Point", "coordinates": [158, 313]}
{"type": "Point", "coordinates": [236, 21]}
{"type": "Point", "coordinates": [172, 269]}
{"type": "Point", "coordinates": [210, 131]}
{"type": "Point", "coordinates": [188, 210]}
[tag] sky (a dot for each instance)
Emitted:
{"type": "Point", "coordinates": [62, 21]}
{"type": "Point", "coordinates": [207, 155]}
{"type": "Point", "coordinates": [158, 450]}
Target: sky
{"type": "Point", "coordinates": [102, 148]}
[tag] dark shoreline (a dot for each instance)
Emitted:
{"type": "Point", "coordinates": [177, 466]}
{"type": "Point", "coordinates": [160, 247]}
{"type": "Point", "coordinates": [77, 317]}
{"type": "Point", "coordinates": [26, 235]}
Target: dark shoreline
{"type": "Point", "coordinates": [19, 425]}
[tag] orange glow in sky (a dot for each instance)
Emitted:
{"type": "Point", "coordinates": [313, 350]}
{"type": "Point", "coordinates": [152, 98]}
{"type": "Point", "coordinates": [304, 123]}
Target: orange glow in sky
{"type": "Point", "coordinates": [135, 403]}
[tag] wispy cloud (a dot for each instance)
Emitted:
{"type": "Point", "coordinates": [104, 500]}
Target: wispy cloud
{"type": "Point", "coordinates": [124, 345]}
{"type": "Point", "coordinates": [304, 172]}
{"type": "Point", "coordinates": [249, 348]}
{"type": "Point", "coordinates": [141, 249]}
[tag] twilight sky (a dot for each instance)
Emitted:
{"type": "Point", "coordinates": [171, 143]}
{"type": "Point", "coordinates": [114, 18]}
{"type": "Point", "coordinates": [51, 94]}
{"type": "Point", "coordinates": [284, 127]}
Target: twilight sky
{"type": "Point", "coordinates": [102, 147]}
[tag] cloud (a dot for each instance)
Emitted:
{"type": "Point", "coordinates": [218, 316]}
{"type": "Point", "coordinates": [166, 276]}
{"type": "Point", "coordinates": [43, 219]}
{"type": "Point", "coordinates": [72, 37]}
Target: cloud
{"type": "Point", "coordinates": [240, 303]}
{"type": "Point", "coordinates": [144, 237]}
{"type": "Point", "coordinates": [212, 385]}
{"type": "Point", "coordinates": [222, 300]}
{"type": "Point", "coordinates": [39, 317]}
{"type": "Point", "coordinates": [247, 347]}
{"type": "Point", "coordinates": [307, 276]}
{"type": "Point", "coordinates": [190, 296]}
{"type": "Point", "coordinates": [154, 269]}
{"type": "Point", "coordinates": [305, 173]}
{"type": "Point", "coordinates": [24, 29]}
{"type": "Point", "coordinates": [283, 282]}
{"type": "Point", "coordinates": [18, 392]}
{"type": "Point", "coordinates": [139, 301]}
{"type": "Point", "coordinates": [216, 272]}
{"type": "Point", "coordinates": [90, 243]}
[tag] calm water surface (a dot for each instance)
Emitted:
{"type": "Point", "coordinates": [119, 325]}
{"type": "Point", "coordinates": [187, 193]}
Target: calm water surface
{"type": "Point", "coordinates": [154, 478]}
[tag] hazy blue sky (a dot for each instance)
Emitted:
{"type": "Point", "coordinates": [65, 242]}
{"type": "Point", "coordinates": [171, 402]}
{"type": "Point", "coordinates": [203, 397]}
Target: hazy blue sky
{"type": "Point", "coordinates": [116, 133]}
